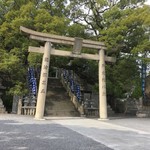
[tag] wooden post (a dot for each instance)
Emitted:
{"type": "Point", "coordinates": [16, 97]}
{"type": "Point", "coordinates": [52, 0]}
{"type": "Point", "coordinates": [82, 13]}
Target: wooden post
{"type": "Point", "coordinates": [43, 82]}
{"type": "Point", "coordinates": [102, 86]}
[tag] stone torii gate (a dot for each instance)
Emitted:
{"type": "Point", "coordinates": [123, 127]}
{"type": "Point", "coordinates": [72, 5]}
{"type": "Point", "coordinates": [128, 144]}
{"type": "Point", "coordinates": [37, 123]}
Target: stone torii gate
{"type": "Point", "coordinates": [77, 44]}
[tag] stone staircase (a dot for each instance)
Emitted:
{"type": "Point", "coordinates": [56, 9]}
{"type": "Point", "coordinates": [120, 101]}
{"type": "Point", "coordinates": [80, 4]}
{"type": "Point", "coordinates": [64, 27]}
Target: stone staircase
{"type": "Point", "coordinates": [58, 102]}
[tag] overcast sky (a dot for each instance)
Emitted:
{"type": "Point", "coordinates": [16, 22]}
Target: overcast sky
{"type": "Point", "coordinates": [148, 2]}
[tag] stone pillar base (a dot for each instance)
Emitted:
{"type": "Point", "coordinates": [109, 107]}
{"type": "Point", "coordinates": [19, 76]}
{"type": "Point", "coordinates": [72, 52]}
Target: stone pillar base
{"type": "Point", "coordinates": [100, 119]}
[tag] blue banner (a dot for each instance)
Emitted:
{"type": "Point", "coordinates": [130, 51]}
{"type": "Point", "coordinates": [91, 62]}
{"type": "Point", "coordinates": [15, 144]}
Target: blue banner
{"type": "Point", "coordinates": [143, 79]}
{"type": "Point", "coordinates": [72, 85]}
{"type": "Point", "coordinates": [78, 93]}
{"type": "Point", "coordinates": [32, 81]}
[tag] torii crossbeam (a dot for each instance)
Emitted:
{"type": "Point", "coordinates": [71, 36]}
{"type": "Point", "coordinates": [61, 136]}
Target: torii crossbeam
{"type": "Point", "coordinates": [77, 44]}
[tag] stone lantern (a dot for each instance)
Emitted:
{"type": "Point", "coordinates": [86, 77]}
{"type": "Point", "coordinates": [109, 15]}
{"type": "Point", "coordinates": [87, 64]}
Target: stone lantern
{"type": "Point", "coordinates": [33, 100]}
{"type": "Point", "coordinates": [26, 101]}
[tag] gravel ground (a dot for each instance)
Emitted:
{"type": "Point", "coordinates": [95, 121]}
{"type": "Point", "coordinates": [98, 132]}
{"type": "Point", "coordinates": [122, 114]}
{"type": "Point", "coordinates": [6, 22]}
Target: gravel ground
{"type": "Point", "coordinates": [18, 132]}
{"type": "Point", "coordinates": [25, 133]}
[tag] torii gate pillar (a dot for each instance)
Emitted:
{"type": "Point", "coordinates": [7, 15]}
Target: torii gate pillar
{"type": "Point", "coordinates": [43, 82]}
{"type": "Point", "coordinates": [102, 86]}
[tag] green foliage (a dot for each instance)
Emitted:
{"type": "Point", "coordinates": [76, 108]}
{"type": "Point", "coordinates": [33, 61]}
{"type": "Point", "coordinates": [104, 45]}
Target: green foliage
{"type": "Point", "coordinates": [8, 61]}
{"type": "Point", "coordinates": [55, 7]}
{"type": "Point", "coordinates": [35, 59]}
{"type": "Point", "coordinates": [120, 25]}
{"type": "Point", "coordinates": [122, 77]}
{"type": "Point", "coordinates": [18, 89]}
{"type": "Point", "coordinates": [14, 56]}
{"type": "Point", "coordinates": [125, 29]}
{"type": "Point", "coordinates": [86, 69]}
{"type": "Point", "coordinates": [77, 30]}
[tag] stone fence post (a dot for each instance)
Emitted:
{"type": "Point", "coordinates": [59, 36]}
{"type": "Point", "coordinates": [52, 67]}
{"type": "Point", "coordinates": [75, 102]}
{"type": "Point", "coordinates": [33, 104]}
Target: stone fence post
{"type": "Point", "coordinates": [19, 106]}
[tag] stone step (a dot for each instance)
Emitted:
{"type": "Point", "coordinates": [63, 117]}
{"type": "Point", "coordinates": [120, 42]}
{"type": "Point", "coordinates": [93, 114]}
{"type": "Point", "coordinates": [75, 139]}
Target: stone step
{"type": "Point", "coordinates": [57, 100]}
{"type": "Point", "coordinates": [52, 82]}
{"type": "Point", "coordinates": [60, 106]}
{"type": "Point", "coordinates": [67, 113]}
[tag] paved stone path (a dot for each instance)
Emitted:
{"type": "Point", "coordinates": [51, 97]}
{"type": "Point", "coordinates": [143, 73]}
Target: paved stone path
{"type": "Point", "coordinates": [55, 133]}
{"type": "Point", "coordinates": [24, 133]}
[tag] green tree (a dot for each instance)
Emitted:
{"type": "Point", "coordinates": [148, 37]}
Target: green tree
{"type": "Point", "coordinates": [15, 58]}
{"type": "Point", "coordinates": [120, 25]}
{"type": "Point", "coordinates": [90, 12]}
{"type": "Point", "coordinates": [117, 23]}
{"type": "Point", "coordinates": [124, 32]}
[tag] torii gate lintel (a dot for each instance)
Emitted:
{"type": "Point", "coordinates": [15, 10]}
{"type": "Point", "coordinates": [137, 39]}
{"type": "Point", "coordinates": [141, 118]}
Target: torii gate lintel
{"type": "Point", "coordinates": [77, 43]}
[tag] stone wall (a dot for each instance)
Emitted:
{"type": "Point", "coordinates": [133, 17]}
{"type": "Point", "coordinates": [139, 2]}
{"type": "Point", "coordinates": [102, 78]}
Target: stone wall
{"type": "Point", "coordinates": [147, 88]}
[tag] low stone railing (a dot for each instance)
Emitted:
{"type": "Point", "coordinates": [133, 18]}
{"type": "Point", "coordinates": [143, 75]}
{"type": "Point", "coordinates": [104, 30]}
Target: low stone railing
{"type": "Point", "coordinates": [74, 99]}
{"type": "Point", "coordinates": [76, 103]}
{"type": "Point", "coordinates": [28, 110]}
